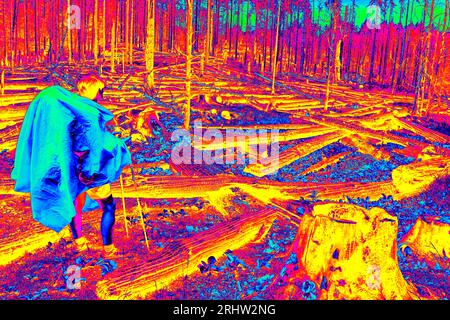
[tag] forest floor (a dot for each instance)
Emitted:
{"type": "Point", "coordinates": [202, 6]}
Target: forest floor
{"type": "Point", "coordinates": [226, 231]}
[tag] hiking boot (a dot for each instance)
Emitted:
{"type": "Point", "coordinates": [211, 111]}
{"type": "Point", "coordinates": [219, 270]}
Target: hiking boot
{"type": "Point", "coordinates": [81, 244]}
{"type": "Point", "coordinates": [110, 251]}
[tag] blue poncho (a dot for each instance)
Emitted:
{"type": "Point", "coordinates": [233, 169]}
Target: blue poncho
{"type": "Point", "coordinates": [57, 124]}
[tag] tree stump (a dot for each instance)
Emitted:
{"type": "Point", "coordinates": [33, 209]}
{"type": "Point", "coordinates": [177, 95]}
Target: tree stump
{"type": "Point", "coordinates": [429, 238]}
{"type": "Point", "coordinates": [351, 253]}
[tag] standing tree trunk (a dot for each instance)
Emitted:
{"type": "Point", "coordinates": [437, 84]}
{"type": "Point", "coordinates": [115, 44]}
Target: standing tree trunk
{"type": "Point", "coordinates": [95, 48]}
{"type": "Point", "coordinates": [253, 40]}
{"type": "Point", "coordinates": [36, 30]}
{"type": "Point", "coordinates": [422, 81]}
{"type": "Point", "coordinates": [26, 29]}
{"type": "Point", "coordinates": [131, 38]}
{"type": "Point", "coordinates": [2, 82]}
{"type": "Point", "coordinates": [388, 42]}
{"type": "Point", "coordinates": [113, 47]}
{"type": "Point", "coordinates": [427, 70]}
{"type": "Point", "coordinates": [274, 65]}
{"type": "Point", "coordinates": [161, 29]}
{"type": "Point", "coordinates": [6, 45]}
{"type": "Point", "coordinates": [216, 24]}
{"type": "Point", "coordinates": [266, 26]}
{"type": "Point", "coordinates": [104, 26]}
{"type": "Point", "coordinates": [396, 54]}
{"type": "Point", "coordinates": [69, 33]}
{"type": "Point", "coordinates": [238, 26]}
{"type": "Point", "coordinates": [402, 51]}
{"type": "Point", "coordinates": [208, 32]}
{"type": "Point", "coordinates": [302, 43]}
{"type": "Point", "coordinates": [350, 43]}
{"type": "Point", "coordinates": [11, 36]}
{"type": "Point", "coordinates": [247, 39]}
{"type": "Point", "coordinates": [337, 61]}
{"type": "Point", "coordinates": [281, 37]}
{"type": "Point", "coordinates": [331, 49]}
{"type": "Point", "coordinates": [230, 28]}
{"type": "Point", "coordinates": [336, 42]}
{"type": "Point", "coordinates": [170, 26]}
{"type": "Point", "coordinates": [319, 48]}
{"type": "Point", "coordinates": [372, 56]}
{"type": "Point", "coordinates": [150, 44]}
{"type": "Point", "coordinates": [196, 36]}
{"type": "Point", "coordinates": [187, 111]}
{"type": "Point", "coordinates": [127, 29]}
{"type": "Point", "coordinates": [437, 61]}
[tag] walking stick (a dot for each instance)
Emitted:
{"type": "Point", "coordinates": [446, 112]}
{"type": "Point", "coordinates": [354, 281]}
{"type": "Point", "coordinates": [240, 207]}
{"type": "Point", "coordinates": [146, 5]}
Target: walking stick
{"type": "Point", "coordinates": [123, 205]}
{"type": "Point", "coordinates": [138, 203]}
{"type": "Point", "coordinates": [139, 206]}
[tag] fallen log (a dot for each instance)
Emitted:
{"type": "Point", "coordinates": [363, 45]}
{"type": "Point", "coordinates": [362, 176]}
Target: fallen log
{"type": "Point", "coordinates": [291, 88]}
{"type": "Point", "coordinates": [325, 163]}
{"type": "Point", "coordinates": [17, 98]}
{"type": "Point", "coordinates": [243, 139]}
{"type": "Point", "coordinates": [364, 147]}
{"type": "Point", "coordinates": [411, 151]}
{"type": "Point", "coordinates": [414, 178]}
{"type": "Point", "coordinates": [181, 257]}
{"type": "Point", "coordinates": [354, 128]}
{"type": "Point", "coordinates": [143, 107]}
{"type": "Point", "coordinates": [294, 153]}
{"type": "Point", "coordinates": [381, 122]}
{"type": "Point", "coordinates": [186, 187]}
{"type": "Point", "coordinates": [295, 106]}
{"type": "Point", "coordinates": [329, 192]}
{"type": "Point", "coordinates": [287, 126]}
{"type": "Point", "coordinates": [14, 248]}
{"type": "Point", "coordinates": [430, 135]}
{"type": "Point", "coordinates": [27, 87]}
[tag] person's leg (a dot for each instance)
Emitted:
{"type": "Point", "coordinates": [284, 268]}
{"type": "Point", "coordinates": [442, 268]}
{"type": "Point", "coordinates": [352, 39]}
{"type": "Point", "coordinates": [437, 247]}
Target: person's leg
{"type": "Point", "coordinates": [76, 223]}
{"type": "Point", "coordinates": [104, 197]}
{"type": "Point", "coordinates": [108, 219]}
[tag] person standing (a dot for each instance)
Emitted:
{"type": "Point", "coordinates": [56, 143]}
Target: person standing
{"type": "Point", "coordinates": [65, 154]}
